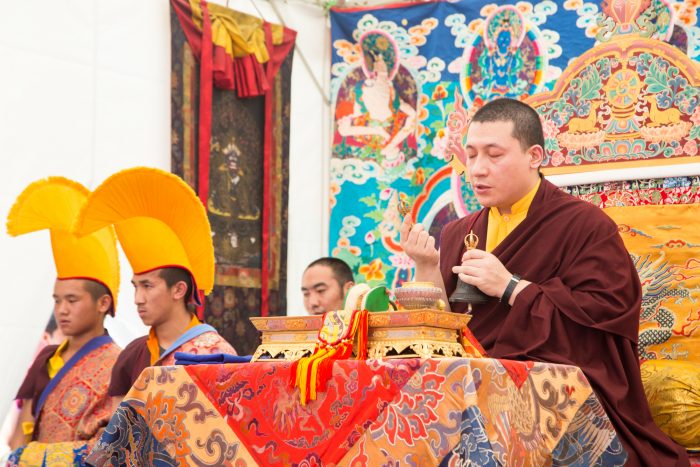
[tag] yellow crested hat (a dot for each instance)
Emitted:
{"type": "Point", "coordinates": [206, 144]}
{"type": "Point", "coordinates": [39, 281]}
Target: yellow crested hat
{"type": "Point", "coordinates": [159, 220]}
{"type": "Point", "coordinates": [54, 204]}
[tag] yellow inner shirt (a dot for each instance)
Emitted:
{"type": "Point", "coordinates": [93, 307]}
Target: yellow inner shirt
{"type": "Point", "coordinates": [56, 361]}
{"type": "Point", "coordinates": [501, 225]}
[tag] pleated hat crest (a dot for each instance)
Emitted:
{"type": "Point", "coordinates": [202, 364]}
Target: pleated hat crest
{"type": "Point", "coordinates": [159, 220]}
{"type": "Point", "coordinates": [54, 204]}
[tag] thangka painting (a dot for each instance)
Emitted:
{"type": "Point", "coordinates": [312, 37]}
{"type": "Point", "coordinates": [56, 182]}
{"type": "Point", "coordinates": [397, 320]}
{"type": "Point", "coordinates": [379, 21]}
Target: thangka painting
{"type": "Point", "coordinates": [631, 102]}
{"type": "Point", "coordinates": [616, 83]}
{"type": "Point", "coordinates": [234, 194]}
{"type": "Point", "coordinates": [653, 218]}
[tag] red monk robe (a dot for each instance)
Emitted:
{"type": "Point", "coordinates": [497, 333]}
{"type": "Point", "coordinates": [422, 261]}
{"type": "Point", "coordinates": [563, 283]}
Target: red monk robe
{"type": "Point", "coordinates": [77, 410]}
{"type": "Point", "coordinates": [581, 309]}
{"type": "Point", "coordinates": [136, 356]}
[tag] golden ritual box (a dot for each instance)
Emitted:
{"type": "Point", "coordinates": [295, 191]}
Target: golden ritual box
{"type": "Point", "coordinates": [286, 337]}
{"type": "Point", "coordinates": [391, 334]}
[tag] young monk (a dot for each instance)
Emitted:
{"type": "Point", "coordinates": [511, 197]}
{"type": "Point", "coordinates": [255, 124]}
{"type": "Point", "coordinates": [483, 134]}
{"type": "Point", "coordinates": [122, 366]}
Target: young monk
{"type": "Point", "coordinates": [65, 405]}
{"type": "Point", "coordinates": [165, 234]}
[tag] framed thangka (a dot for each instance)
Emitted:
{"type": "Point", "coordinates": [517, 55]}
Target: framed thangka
{"type": "Point", "coordinates": [243, 178]}
{"type": "Point", "coordinates": [406, 78]}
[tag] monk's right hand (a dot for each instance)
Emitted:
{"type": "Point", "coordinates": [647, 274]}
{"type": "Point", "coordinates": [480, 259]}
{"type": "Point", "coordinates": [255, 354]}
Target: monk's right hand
{"type": "Point", "coordinates": [418, 244]}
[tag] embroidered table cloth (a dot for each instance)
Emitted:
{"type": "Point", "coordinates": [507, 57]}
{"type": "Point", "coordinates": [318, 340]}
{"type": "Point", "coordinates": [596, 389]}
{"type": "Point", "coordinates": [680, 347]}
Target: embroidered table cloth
{"type": "Point", "coordinates": [451, 411]}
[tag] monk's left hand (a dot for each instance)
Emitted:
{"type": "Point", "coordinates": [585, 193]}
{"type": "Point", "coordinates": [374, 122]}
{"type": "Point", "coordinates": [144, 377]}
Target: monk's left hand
{"type": "Point", "coordinates": [483, 270]}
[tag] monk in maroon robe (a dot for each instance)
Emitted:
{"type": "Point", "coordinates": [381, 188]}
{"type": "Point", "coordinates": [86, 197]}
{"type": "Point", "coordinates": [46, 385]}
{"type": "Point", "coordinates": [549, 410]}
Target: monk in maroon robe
{"type": "Point", "coordinates": [562, 286]}
{"type": "Point", "coordinates": [166, 236]}
{"type": "Point", "coordinates": [187, 334]}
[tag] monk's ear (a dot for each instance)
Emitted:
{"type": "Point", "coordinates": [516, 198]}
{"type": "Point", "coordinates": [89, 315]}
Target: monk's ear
{"type": "Point", "coordinates": [536, 156]}
{"type": "Point", "coordinates": [179, 290]}
{"type": "Point", "coordinates": [347, 287]}
{"type": "Point", "coordinates": [104, 303]}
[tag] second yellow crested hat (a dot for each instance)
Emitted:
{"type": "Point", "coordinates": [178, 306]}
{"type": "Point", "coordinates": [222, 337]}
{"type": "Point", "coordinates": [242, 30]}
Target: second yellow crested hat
{"type": "Point", "coordinates": [159, 221]}
{"type": "Point", "coordinates": [53, 204]}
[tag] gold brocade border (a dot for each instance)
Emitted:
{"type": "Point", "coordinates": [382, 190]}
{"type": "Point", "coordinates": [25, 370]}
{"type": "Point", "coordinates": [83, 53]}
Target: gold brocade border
{"type": "Point", "coordinates": [188, 127]}
{"type": "Point", "coordinates": [275, 180]}
{"type": "Point", "coordinates": [619, 165]}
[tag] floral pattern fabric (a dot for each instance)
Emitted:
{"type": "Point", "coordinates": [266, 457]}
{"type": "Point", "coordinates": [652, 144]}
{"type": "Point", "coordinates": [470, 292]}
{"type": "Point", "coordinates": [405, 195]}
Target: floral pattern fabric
{"type": "Point", "coordinates": [74, 414]}
{"type": "Point", "coordinates": [408, 411]}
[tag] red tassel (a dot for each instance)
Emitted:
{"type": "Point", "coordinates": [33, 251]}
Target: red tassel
{"type": "Point", "coordinates": [325, 370]}
{"type": "Point", "coordinates": [469, 342]}
{"type": "Point", "coordinates": [293, 374]}
{"type": "Point", "coordinates": [362, 335]}
{"type": "Point", "coordinates": [325, 354]}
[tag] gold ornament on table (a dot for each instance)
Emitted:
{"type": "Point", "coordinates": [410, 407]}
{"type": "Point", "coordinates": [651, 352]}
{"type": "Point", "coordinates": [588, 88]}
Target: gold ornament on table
{"type": "Point", "coordinates": [286, 337]}
{"type": "Point", "coordinates": [467, 293]}
{"type": "Point", "coordinates": [420, 328]}
{"type": "Point", "coordinates": [426, 333]}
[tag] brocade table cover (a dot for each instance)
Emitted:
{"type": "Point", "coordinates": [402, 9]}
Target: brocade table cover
{"type": "Point", "coordinates": [451, 411]}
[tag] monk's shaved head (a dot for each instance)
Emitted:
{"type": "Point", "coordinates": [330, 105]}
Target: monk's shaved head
{"type": "Point", "coordinates": [527, 126]}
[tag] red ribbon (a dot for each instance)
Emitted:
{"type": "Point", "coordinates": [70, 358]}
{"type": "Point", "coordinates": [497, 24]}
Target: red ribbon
{"type": "Point", "coordinates": [205, 99]}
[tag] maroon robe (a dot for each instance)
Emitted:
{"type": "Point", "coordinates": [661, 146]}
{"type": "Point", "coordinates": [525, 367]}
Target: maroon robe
{"type": "Point", "coordinates": [581, 309]}
{"type": "Point", "coordinates": [37, 376]}
{"type": "Point", "coordinates": [136, 356]}
{"type": "Point", "coordinates": [130, 363]}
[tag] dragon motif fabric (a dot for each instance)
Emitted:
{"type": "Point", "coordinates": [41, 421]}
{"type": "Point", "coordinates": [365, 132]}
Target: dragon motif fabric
{"type": "Point", "coordinates": [667, 257]}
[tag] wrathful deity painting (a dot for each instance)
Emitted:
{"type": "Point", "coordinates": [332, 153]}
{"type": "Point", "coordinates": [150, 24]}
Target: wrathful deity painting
{"type": "Point", "coordinates": [235, 194]}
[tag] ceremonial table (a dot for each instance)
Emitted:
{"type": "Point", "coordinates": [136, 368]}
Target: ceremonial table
{"type": "Point", "coordinates": [449, 411]}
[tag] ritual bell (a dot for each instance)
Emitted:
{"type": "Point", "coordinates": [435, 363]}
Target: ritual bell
{"type": "Point", "coordinates": [467, 293]}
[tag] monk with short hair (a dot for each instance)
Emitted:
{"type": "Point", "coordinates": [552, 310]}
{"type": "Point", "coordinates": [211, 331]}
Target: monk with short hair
{"type": "Point", "coordinates": [324, 284]}
{"type": "Point", "coordinates": [562, 285]}
{"type": "Point", "coordinates": [165, 234]}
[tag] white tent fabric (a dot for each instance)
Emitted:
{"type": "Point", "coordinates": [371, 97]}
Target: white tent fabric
{"type": "Point", "coordinates": [85, 92]}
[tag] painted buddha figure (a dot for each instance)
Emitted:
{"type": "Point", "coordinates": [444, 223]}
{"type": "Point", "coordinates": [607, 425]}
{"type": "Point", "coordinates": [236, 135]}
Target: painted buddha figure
{"type": "Point", "coordinates": [380, 119]}
{"type": "Point", "coordinates": [504, 32]}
